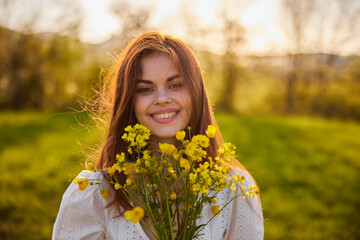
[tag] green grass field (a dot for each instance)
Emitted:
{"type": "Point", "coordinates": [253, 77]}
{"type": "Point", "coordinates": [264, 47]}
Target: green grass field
{"type": "Point", "coordinates": [307, 170]}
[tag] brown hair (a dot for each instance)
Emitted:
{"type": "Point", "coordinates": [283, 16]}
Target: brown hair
{"type": "Point", "coordinates": [122, 91]}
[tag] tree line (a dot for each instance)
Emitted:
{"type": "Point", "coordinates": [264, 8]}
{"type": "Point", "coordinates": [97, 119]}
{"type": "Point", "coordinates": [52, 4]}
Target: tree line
{"type": "Point", "coordinates": [42, 71]}
{"type": "Point", "coordinates": [56, 71]}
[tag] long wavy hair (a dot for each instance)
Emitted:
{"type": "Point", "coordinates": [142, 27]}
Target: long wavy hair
{"type": "Point", "coordinates": [119, 92]}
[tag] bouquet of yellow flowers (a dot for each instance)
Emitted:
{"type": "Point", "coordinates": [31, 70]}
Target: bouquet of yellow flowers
{"type": "Point", "coordinates": [172, 185]}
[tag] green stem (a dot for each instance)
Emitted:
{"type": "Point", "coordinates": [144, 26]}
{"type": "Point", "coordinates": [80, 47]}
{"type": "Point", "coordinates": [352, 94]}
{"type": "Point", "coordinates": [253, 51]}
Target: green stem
{"type": "Point", "coordinates": [152, 233]}
{"type": "Point", "coordinates": [97, 181]}
{"type": "Point", "coordinates": [161, 187]}
{"type": "Point", "coordinates": [169, 216]}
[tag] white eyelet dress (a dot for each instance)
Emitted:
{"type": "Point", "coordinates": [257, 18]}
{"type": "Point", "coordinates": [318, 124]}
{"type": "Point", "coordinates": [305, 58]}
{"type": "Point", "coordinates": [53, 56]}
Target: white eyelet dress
{"type": "Point", "coordinates": [82, 215]}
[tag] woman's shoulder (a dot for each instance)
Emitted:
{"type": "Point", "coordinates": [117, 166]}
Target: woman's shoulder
{"type": "Point", "coordinates": [91, 174]}
{"type": "Point", "coordinates": [87, 184]}
{"type": "Point", "coordinates": [83, 209]}
{"type": "Point", "coordinates": [245, 184]}
{"type": "Point", "coordinates": [245, 217]}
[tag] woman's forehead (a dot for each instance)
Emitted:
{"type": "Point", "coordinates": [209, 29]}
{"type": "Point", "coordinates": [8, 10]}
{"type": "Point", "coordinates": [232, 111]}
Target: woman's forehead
{"type": "Point", "coordinates": [157, 65]}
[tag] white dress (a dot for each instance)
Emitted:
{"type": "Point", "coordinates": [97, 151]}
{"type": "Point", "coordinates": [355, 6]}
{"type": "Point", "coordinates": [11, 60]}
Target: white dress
{"type": "Point", "coordinates": [83, 215]}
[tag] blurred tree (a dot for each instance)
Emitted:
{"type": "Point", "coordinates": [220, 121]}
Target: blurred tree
{"type": "Point", "coordinates": [233, 37]}
{"type": "Point", "coordinates": [299, 15]}
{"type": "Point", "coordinates": [63, 71]}
{"type": "Point", "coordinates": [133, 19]}
{"type": "Point", "coordinates": [19, 58]}
{"type": "Point", "coordinates": [26, 71]}
{"type": "Point", "coordinates": [316, 26]}
{"type": "Point", "coordinates": [195, 32]}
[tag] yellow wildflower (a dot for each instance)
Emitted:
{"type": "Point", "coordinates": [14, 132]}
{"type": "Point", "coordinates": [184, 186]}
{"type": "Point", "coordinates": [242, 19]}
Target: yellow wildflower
{"type": "Point", "coordinates": [203, 168]}
{"type": "Point", "coordinates": [141, 141]}
{"type": "Point", "coordinates": [213, 200]}
{"type": "Point", "coordinates": [192, 177]}
{"type": "Point", "coordinates": [83, 182]}
{"type": "Point", "coordinates": [184, 163]}
{"type": "Point", "coordinates": [90, 167]}
{"type": "Point", "coordinates": [120, 157]}
{"type": "Point", "coordinates": [205, 174]}
{"type": "Point", "coordinates": [136, 135]}
{"type": "Point", "coordinates": [227, 151]}
{"type": "Point", "coordinates": [111, 170]}
{"type": "Point", "coordinates": [238, 178]}
{"type": "Point", "coordinates": [134, 215]}
{"type": "Point", "coordinates": [117, 186]}
{"type": "Point", "coordinates": [146, 155]}
{"type": "Point", "coordinates": [211, 131]}
{"type": "Point", "coordinates": [173, 196]}
{"type": "Point", "coordinates": [129, 181]}
{"type": "Point", "coordinates": [190, 149]}
{"type": "Point", "coordinates": [194, 152]}
{"type": "Point", "coordinates": [208, 180]}
{"type": "Point", "coordinates": [196, 187]}
{"type": "Point", "coordinates": [105, 193]}
{"type": "Point", "coordinates": [215, 210]}
{"type": "Point", "coordinates": [168, 149]}
{"type": "Point", "coordinates": [204, 189]}
{"type": "Point", "coordinates": [202, 140]}
{"type": "Point", "coordinates": [129, 150]}
{"type": "Point", "coordinates": [129, 168]}
{"type": "Point", "coordinates": [233, 187]}
{"type": "Point", "coordinates": [180, 135]}
{"type": "Point", "coordinates": [176, 156]}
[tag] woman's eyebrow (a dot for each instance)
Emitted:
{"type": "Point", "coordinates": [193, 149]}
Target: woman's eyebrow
{"type": "Point", "coordinates": [169, 79]}
{"type": "Point", "coordinates": [144, 81]}
{"type": "Point", "coordinates": [172, 77]}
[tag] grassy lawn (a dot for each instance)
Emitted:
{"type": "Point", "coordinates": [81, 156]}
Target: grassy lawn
{"type": "Point", "coordinates": [307, 170]}
{"type": "Point", "coordinates": [39, 155]}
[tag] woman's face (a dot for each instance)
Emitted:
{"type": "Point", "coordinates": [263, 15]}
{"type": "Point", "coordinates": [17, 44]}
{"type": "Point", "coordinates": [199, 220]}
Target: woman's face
{"type": "Point", "coordinates": [162, 102]}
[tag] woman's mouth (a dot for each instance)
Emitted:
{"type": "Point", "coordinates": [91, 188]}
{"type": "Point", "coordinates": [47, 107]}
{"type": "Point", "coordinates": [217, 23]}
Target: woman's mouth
{"type": "Point", "coordinates": [164, 117]}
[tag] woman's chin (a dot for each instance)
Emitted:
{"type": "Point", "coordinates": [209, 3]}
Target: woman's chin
{"type": "Point", "coordinates": [163, 137]}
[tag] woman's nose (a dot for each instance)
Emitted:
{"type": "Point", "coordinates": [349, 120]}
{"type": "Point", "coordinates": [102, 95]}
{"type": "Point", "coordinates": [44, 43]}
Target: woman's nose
{"type": "Point", "coordinates": [162, 97]}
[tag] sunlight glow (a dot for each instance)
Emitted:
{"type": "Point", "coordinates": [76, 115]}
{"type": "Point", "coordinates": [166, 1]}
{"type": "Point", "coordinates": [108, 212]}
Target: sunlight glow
{"type": "Point", "coordinates": [99, 24]}
{"type": "Point", "coordinates": [206, 10]}
{"type": "Point", "coordinates": [259, 18]}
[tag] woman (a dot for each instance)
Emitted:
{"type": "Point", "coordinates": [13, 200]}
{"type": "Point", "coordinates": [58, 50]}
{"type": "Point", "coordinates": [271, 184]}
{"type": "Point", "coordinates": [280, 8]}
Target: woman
{"type": "Point", "coordinates": [159, 85]}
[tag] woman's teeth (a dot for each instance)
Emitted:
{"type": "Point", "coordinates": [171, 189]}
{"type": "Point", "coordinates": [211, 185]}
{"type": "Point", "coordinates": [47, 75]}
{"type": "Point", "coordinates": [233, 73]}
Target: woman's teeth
{"type": "Point", "coordinates": [164, 115]}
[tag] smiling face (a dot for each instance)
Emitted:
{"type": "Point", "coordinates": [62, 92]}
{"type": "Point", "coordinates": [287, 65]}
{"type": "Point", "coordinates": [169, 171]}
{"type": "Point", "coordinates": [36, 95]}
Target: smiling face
{"type": "Point", "coordinates": [162, 102]}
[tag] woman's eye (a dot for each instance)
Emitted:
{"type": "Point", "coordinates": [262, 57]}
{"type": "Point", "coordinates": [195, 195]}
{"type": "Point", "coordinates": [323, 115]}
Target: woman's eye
{"type": "Point", "coordinates": [144, 90]}
{"type": "Point", "coordinates": [175, 85]}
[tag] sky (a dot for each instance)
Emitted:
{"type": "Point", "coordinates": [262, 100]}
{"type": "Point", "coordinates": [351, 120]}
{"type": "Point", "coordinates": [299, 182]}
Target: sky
{"type": "Point", "coordinates": [262, 19]}
{"type": "Point", "coordinates": [259, 20]}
